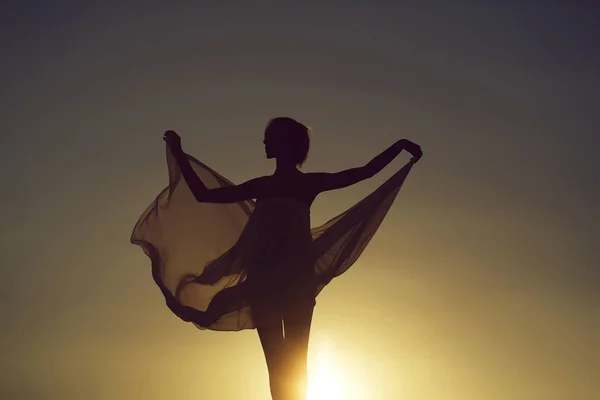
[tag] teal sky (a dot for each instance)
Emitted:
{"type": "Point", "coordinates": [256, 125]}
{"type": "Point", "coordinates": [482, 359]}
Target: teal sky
{"type": "Point", "coordinates": [482, 283]}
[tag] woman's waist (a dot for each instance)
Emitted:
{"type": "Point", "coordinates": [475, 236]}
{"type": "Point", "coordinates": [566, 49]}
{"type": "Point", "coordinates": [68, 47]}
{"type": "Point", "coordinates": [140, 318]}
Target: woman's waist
{"type": "Point", "coordinates": [301, 263]}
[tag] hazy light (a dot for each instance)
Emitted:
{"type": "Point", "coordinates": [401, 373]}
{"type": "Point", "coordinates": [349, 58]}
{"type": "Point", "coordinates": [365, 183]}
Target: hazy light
{"type": "Point", "coordinates": [324, 376]}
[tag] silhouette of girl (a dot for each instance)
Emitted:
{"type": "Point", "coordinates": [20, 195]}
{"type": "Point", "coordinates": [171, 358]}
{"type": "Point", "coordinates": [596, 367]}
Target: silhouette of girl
{"type": "Point", "coordinates": [225, 261]}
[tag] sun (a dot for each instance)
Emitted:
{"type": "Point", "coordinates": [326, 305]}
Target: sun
{"type": "Point", "coordinates": [324, 375]}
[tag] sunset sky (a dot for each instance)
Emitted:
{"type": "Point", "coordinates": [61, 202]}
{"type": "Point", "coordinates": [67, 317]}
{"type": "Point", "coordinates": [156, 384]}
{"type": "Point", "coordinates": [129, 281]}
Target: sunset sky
{"type": "Point", "coordinates": [483, 282]}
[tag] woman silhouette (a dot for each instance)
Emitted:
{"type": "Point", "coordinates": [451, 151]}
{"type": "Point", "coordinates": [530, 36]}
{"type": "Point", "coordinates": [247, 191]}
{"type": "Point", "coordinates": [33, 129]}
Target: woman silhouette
{"type": "Point", "coordinates": [269, 276]}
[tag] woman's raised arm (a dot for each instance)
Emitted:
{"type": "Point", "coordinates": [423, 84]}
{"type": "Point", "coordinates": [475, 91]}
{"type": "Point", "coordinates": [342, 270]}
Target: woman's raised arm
{"type": "Point", "coordinates": [321, 182]}
{"type": "Point", "coordinates": [232, 194]}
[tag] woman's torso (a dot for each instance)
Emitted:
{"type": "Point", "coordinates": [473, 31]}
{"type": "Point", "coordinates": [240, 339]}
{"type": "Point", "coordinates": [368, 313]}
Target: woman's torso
{"type": "Point", "coordinates": [279, 254]}
{"type": "Point", "coordinates": [278, 232]}
{"type": "Point", "coordinates": [289, 186]}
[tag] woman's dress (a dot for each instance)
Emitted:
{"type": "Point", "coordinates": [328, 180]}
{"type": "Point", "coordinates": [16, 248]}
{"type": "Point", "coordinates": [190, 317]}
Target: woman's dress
{"type": "Point", "coordinates": [261, 258]}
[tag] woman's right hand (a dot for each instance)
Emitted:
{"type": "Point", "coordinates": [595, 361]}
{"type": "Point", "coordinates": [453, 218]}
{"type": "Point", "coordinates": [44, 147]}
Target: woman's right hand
{"type": "Point", "coordinates": [173, 141]}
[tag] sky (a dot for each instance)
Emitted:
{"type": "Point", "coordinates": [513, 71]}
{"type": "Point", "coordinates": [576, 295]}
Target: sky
{"type": "Point", "coordinates": [483, 282]}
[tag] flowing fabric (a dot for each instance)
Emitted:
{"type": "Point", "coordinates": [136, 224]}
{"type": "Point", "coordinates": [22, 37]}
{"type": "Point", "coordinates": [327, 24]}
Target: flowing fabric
{"type": "Point", "coordinates": [250, 252]}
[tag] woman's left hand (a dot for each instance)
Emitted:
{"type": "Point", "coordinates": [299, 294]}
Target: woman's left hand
{"type": "Point", "coordinates": [413, 149]}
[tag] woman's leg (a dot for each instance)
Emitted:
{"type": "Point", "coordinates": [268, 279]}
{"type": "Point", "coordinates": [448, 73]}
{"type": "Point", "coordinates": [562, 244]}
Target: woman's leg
{"type": "Point", "coordinates": [297, 324]}
{"type": "Point", "coordinates": [272, 341]}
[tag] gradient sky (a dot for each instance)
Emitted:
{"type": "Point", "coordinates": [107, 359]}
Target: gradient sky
{"type": "Point", "coordinates": [482, 283]}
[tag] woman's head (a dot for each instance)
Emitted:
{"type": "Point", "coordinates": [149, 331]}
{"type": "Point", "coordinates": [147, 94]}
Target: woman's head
{"type": "Point", "coordinates": [287, 139]}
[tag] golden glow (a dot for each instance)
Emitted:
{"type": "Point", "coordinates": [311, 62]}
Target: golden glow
{"type": "Point", "coordinates": [325, 380]}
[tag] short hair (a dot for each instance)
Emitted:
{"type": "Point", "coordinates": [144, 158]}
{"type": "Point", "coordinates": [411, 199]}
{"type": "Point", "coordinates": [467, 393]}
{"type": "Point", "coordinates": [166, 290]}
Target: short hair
{"type": "Point", "coordinates": [297, 138]}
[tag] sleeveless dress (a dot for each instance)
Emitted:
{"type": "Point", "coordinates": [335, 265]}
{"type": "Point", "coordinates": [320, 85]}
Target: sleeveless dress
{"type": "Point", "coordinates": [259, 258]}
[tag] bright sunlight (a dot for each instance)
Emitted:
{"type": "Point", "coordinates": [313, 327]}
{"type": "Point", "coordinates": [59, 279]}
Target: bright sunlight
{"type": "Point", "coordinates": [330, 373]}
{"type": "Point", "coordinates": [324, 382]}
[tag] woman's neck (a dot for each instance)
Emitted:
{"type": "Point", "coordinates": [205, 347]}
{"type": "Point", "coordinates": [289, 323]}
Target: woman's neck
{"type": "Point", "coordinates": [285, 168]}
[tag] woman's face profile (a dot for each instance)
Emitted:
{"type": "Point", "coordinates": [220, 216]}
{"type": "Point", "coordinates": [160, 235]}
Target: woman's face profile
{"type": "Point", "coordinates": [269, 146]}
